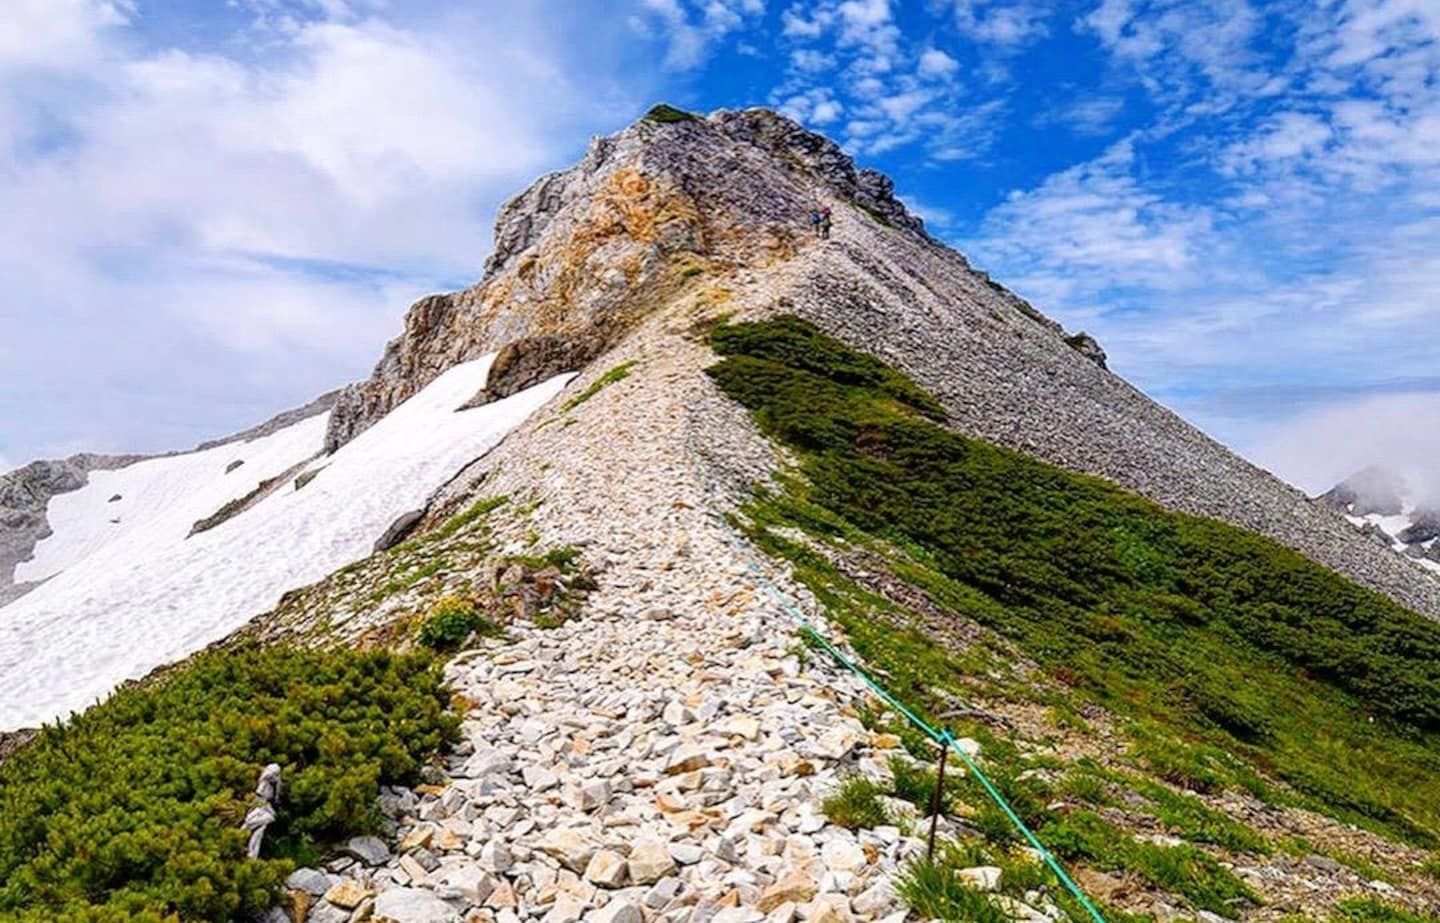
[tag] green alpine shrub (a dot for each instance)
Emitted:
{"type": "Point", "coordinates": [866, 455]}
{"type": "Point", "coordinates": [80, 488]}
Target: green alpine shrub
{"type": "Point", "coordinates": [132, 810]}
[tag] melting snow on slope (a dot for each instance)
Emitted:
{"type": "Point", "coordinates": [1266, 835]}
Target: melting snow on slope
{"type": "Point", "coordinates": [1393, 526]}
{"type": "Point", "coordinates": [129, 596]}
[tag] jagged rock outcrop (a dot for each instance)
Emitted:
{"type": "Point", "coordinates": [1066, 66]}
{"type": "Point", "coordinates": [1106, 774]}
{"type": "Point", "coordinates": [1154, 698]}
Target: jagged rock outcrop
{"type": "Point", "coordinates": [24, 495]}
{"type": "Point", "coordinates": [583, 254]}
{"type": "Point", "coordinates": [1087, 346]}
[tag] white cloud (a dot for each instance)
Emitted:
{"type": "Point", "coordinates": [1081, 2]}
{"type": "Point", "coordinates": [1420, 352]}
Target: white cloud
{"type": "Point", "coordinates": [1089, 115]}
{"type": "Point", "coordinates": [694, 27]}
{"type": "Point", "coordinates": [1006, 22]}
{"type": "Point", "coordinates": [1093, 227]}
{"type": "Point", "coordinates": [49, 34]}
{"type": "Point", "coordinates": [892, 89]}
{"type": "Point", "coordinates": [936, 63]}
{"type": "Point", "coordinates": [1284, 136]}
{"type": "Point", "coordinates": [1320, 447]}
{"type": "Point", "coordinates": [1181, 49]}
{"type": "Point", "coordinates": [810, 60]}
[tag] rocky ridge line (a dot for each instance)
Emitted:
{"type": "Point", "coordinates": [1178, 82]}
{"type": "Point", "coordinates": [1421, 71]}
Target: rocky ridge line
{"type": "Point", "coordinates": [584, 255]}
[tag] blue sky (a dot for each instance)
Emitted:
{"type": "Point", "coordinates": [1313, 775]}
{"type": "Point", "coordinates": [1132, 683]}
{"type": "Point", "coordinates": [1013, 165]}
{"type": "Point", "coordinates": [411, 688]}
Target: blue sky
{"type": "Point", "coordinates": [216, 209]}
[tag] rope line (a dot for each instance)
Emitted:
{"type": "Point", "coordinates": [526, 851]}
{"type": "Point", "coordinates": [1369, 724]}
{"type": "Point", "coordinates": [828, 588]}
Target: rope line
{"type": "Point", "coordinates": [942, 737]}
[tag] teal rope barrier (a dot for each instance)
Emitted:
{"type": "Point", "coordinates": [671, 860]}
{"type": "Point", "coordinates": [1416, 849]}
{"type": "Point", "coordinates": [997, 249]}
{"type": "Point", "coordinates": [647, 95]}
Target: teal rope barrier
{"type": "Point", "coordinates": [943, 737]}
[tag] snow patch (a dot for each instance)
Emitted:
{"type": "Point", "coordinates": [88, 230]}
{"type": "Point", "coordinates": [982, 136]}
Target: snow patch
{"type": "Point", "coordinates": [126, 597]}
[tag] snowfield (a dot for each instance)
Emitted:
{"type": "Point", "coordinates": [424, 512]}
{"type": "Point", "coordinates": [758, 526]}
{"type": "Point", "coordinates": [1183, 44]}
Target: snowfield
{"type": "Point", "coordinates": [127, 596]}
{"type": "Point", "coordinates": [1393, 526]}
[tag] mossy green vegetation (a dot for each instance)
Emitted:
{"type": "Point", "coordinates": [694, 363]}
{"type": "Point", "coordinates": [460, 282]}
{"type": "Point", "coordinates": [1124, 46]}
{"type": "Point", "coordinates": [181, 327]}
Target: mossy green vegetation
{"type": "Point", "coordinates": [1231, 655]}
{"type": "Point", "coordinates": [1372, 911]}
{"type": "Point", "coordinates": [450, 622]}
{"type": "Point", "coordinates": [665, 114]}
{"type": "Point", "coordinates": [132, 810]}
{"type": "Point", "coordinates": [618, 373]}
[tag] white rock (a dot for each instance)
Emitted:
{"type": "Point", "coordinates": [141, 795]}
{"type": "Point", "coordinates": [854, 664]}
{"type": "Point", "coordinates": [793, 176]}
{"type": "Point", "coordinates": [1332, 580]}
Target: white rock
{"type": "Point", "coordinates": [619, 910]}
{"type": "Point", "coordinates": [413, 905]}
{"type": "Point", "coordinates": [785, 913]}
{"type": "Point", "coordinates": [842, 855]}
{"type": "Point", "coordinates": [568, 847]}
{"type": "Point", "coordinates": [606, 869]}
{"type": "Point", "coordinates": [311, 881]}
{"type": "Point", "coordinates": [566, 909]}
{"type": "Point", "coordinates": [539, 779]}
{"type": "Point", "coordinates": [592, 795]}
{"type": "Point", "coordinates": [662, 892]}
{"type": "Point", "coordinates": [874, 900]}
{"type": "Point", "coordinates": [685, 853]}
{"type": "Point", "coordinates": [495, 856]}
{"type": "Point", "coordinates": [686, 758]}
{"type": "Point", "coordinates": [968, 746]}
{"type": "Point", "coordinates": [982, 877]}
{"type": "Point", "coordinates": [649, 862]}
{"type": "Point", "coordinates": [472, 883]}
{"type": "Point", "coordinates": [487, 762]}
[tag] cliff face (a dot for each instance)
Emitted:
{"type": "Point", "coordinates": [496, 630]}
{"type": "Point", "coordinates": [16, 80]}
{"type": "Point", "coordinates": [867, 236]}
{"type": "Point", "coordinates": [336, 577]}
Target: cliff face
{"type": "Point", "coordinates": [584, 256]}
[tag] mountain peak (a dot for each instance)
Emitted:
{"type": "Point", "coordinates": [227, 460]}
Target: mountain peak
{"type": "Point", "coordinates": [582, 254]}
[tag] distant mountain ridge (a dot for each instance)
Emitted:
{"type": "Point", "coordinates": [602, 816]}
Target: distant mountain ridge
{"type": "Point", "coordinates": [1385, 507]}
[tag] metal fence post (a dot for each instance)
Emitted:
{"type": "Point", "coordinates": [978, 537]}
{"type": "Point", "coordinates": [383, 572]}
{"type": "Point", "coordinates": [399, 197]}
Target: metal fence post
{"type": "Point", "coordinates": [935, 797]}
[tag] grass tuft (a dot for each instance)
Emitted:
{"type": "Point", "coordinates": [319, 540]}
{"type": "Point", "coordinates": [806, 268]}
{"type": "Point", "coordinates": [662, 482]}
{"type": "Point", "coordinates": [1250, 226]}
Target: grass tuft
{"type": "Point", "coordinates": [618, 373]}
{"type": "Point", "coordinates": [856, 804]}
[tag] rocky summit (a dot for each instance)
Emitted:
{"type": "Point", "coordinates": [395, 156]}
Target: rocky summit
{"type": "Point", "coordinates": [1205, 695]}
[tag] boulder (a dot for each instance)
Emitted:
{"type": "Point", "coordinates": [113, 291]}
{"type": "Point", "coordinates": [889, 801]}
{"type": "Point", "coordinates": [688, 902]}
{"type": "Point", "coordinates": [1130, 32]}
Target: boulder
{"type": "Point", "coordinates": [396, 532]}
{"type": "Point", "coordinates": [370, 850]}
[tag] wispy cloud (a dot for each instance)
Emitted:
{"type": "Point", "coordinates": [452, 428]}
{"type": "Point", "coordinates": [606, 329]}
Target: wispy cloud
{"type": "Point", "coordinates": [692, 29]}
{"type": "Point", "coordinates": [893, 90]}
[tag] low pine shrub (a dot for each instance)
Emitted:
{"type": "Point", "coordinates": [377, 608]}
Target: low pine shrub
{"type": "Point", "coordinates": [665, 114]}
{"type": "Point", "coordinates": [132, 810]}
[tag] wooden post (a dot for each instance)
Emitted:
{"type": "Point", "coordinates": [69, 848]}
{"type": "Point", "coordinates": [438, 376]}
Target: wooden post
{"type": "Point", "coordinates": [935, 799]}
